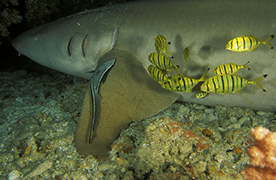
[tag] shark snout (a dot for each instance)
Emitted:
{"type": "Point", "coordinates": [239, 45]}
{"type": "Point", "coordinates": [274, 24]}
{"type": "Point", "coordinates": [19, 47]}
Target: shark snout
{"type": "Point", "coordinates": [25, 43]}
{"type": "Point", "coordinates": [19, 43]}
{"type": "Point", "coordinates": [32, 45]}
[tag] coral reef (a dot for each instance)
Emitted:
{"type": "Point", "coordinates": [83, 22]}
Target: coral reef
{"type": "Point", "coordinates": [39, 12]}
{"type": "Point", "coordinates": [33, 12]}
{"type": "Point", "coordinates": [9, 15]}
{"type": "Point", "coordinates": [165, 148]}
{"type": "Point", "coordinates": [262, 156]}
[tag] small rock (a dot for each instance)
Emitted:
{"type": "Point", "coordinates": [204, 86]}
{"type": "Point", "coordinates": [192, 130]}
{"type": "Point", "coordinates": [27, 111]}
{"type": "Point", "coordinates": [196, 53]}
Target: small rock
{"type": "Point", "coordinates": [14, 175]}
{"type": "Point", "coordinates": [200, 167]}
{"type": "Point", "coordinates": [40, 169]}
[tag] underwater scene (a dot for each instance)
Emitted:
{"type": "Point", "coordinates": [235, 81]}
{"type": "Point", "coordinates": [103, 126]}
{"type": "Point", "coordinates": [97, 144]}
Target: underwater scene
{"type": "Point", "coordinates": [130, 91]}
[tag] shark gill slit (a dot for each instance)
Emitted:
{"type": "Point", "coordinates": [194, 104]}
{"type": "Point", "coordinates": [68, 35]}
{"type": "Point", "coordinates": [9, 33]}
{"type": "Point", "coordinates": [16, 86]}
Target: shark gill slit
{"type": "Point", "coordinates": [84, 45]}
{"type": "Point", "coordinates": [68, 46]}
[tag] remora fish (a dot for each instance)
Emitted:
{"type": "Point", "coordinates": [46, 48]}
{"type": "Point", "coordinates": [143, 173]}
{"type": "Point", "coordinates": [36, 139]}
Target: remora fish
{"type": "Point", "coordinates": [80, 43]}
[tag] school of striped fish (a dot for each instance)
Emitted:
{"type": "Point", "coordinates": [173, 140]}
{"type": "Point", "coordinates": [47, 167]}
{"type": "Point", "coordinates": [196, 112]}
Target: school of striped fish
{"type": "Point", "coordinates": [225, 79]}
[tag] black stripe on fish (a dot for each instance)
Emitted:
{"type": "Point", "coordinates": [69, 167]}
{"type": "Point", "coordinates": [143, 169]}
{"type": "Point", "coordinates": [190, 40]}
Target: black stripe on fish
{"type": "Point", "coordinates": [214, 84]}
{"type": "Point", "coordinates": [237, 86]}
{"type": "Point", "coordinates": [222, 83]}
{"type": "Point", "coordinates": [189, 83]}
{"type": "Point", "coordinates": [242, 81]}
{"type": "Point", "coordinates": [156, 60]}
{"type": "Point", "coordinates": [170, 86]}
{"type": "Point", "coordinates": [207, 88]}
{"type": "Point", "coordinates": [231, 68]}
{"type": "Point", "coordinates": [251, 43]}
{"type": "Point", "coordinates": [233, 83]}
{"type": "Point", "coordinates": [220, 70]}
{"type": "Point", "coordinates": [185, 83]}
{"type": "Point", "coordinates": [227, 83]}
{"type": "Point", "coordinates": [243, 42]}
{"type": "Point", "coordinates": [225, 70]}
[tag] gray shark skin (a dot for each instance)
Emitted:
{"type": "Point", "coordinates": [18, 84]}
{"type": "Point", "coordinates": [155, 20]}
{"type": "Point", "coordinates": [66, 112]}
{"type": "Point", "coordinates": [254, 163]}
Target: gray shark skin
{"type": "Point", "coordinates": [74, 44]}
{"type": "Point", "coordinates": [77, 44]}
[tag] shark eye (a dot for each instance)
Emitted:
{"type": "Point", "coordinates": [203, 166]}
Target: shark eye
{"type": "Point", "coordinates": [35, 39]}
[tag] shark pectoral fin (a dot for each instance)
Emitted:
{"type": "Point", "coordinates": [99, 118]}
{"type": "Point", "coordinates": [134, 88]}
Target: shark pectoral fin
{"type": "Point", "coordinates": [84, 125]}
{"type": "Point", "coordinates": [94, 87]}
{"type": "Point", "coordinates": [128, 94]}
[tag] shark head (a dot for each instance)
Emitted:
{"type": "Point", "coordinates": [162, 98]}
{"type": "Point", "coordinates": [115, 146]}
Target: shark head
{"type": "Point", "coordinates": [71, 45]}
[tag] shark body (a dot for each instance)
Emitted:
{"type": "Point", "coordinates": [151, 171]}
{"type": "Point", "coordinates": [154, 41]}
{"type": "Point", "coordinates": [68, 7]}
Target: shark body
{"type": "Point", "coordinates": [82, 42]}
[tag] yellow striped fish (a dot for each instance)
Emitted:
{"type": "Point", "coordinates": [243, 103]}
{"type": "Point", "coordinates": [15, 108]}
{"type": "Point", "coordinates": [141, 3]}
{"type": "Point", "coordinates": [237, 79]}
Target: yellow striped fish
{"type": "Point", "coordinates": [186, 53]}
{"type": "Point", "coordinates": [201, 95]}
{"type": "Point", "coordinates": [158, 74]}
{"type": "Point", "coordinates": [162, 45]}
{"type": "Point", "coordinates": [230, 68]}
{"type": "Point", "coordinates": [162, 62]}
{"type": "Point", "coordinates": [247, 43]}
{"type": "Point", "coordinates": [182, 83]}
{"type": "Point", "coordinates": [222, 84]}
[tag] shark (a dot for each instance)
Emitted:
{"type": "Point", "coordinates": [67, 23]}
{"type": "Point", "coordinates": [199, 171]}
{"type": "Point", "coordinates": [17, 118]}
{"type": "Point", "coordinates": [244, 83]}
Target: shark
{"type": "Point", "coordinates": [110, 47]}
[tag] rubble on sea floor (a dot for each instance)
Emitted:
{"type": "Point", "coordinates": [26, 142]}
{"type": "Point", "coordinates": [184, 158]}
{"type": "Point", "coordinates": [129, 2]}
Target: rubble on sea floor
{"type": "Point", "coordinates": [182, 142]}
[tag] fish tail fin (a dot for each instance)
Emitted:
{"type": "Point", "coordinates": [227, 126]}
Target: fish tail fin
{"type": "Point", "coordinates": [257, 81]}
{"type": "Point", "coordinates": [200, 95]}
{"type": "Point", "coordinates": [245, 65]}
{"type": "Point", "coordinates": [166, 52]}
{"type": "Point", "coordinates": [203, 78]}
{"type": "Point", "coordinates": [166, 46]}
{"type": "Point", "coordinates": [267, 42]}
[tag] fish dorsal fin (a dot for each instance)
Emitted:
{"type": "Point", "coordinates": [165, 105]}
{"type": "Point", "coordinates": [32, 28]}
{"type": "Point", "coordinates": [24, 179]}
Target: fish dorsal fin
{"type": "Point", "coordinates": [128, 94]}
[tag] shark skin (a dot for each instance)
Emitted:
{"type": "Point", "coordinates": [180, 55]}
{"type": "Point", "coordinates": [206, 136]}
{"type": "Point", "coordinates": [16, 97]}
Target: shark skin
{"type": "Point", "coordinates": [77, 44]}
{"type": "Point", "coordinates": [74, 44]}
